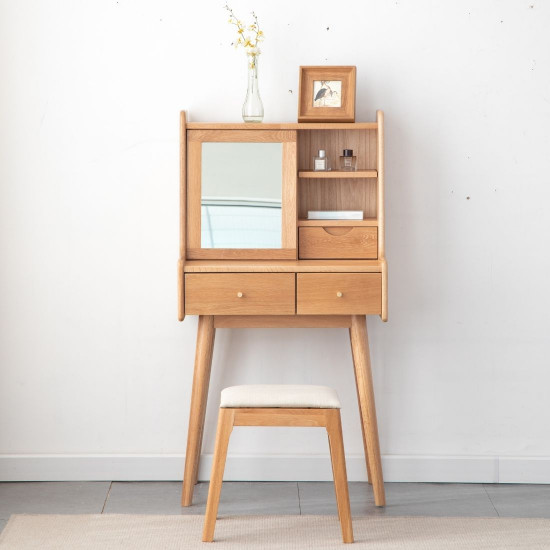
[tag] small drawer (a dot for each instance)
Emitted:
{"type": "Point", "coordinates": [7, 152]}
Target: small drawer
{"type": "Point", "coordinates": [239, 294]}
{"type": "Point", "coordinates": [339, 293]}
{"type": "Point", "coordinates": [325, 243]}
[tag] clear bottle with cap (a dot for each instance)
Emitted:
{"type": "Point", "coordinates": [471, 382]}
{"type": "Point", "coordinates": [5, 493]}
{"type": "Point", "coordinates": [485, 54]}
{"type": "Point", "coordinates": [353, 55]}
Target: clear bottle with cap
{"type": "Point", "coordinates": [320, 162]}
{"type": "Point", "coordinates": [348, 163]}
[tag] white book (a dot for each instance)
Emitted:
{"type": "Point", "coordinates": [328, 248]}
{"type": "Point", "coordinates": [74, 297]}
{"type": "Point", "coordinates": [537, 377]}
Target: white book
{"type": "Point", "coordinates": [335, 215]}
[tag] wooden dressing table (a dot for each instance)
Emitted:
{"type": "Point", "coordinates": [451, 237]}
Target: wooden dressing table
{"type": "Point", "coordinates": [311, 273]}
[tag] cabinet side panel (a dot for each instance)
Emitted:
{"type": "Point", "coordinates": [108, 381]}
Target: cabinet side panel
{"type": "Point", "coordinates": [381, 214]}
{"type": "Point", "coordinates": [380, 168]}
{"type": "Point", "coordinates": [384, 314]}
{"type": "Point", "coordinates": [183, 215]}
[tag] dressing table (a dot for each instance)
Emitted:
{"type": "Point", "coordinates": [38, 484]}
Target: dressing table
{"type": "Point", "coordinates": [250, 257]}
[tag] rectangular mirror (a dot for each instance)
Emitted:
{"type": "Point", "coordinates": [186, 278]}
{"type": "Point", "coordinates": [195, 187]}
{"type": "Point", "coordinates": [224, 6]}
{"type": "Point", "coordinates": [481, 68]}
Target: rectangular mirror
{"type": "Point", "coordinates": [241, 195]}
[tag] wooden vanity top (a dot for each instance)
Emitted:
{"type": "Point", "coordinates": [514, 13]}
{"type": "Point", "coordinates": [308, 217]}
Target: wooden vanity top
{"type": "Point", "coordinates": [284, 266]}
{"type": "Point", "coordinates": [282, 126]}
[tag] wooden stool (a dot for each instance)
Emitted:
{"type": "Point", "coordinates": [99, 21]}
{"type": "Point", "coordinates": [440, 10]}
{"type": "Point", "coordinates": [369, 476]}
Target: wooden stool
{"type": "Point", "coordinates": [278, 405]}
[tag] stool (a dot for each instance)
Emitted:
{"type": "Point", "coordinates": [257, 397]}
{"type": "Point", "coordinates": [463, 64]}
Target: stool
{"type": "Point", "coordinates": [279, 405]}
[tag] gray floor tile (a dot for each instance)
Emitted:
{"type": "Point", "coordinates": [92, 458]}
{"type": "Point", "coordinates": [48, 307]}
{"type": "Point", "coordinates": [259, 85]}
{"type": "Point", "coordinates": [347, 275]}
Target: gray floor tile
{"type": "Point", "coordinates": [520, 501]}
{"type": "Point", "coordinates": [250, 498]}
{"type": "Point", "coordinates": [403, 499]}
{"type": "Point", "coordinates": [152, 497]}
{"type": "Point", "coordinates": [439, 499]}
{"type": "Point", "coordinates": [318, 497]}
{"type": "Point", "coordinates": [237, 498]}
{"type": "Point", "coordinates": [240, 498]}
{"type": "Point", "coordinates": [52, 497]}
{"type": "Point", "coordinates": [3, 523]}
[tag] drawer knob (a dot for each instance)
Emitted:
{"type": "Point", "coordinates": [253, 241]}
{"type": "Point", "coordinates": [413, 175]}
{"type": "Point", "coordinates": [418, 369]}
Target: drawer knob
{"type": "Point", "coordinates": [339, 294]}
{"type": "Point", "coordinates": [239, 294]}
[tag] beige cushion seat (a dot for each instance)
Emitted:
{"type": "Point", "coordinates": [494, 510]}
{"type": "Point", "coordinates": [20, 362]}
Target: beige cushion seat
{"type": "Point", "coordinates": [280, 396]}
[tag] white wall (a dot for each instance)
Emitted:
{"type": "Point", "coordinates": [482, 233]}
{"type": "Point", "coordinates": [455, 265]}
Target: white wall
{"type": "Point", "coordinates": [95, 371]}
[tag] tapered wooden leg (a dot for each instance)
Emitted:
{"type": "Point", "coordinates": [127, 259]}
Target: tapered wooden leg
{"type": "Point", "coordinates": [334, 475]}
{"type": "Point", "coordinates": [365, 393]}
{"type": "Point", "coordinates": [337, 456]}
{"type": "Point", "coordinates": [199, 396]}
{"type": "Point", "coordinates": [369, 475]}
{"type": "Point", "coordinates": [225, 426]}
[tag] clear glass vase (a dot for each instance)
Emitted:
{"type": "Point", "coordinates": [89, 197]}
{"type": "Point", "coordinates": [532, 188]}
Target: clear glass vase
{"type": "Point", "coordinates": [253, 108]}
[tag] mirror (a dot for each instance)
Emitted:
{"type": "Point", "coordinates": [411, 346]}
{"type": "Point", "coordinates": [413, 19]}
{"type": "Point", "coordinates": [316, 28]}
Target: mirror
{"type": "Point", "coordinates": [241, 186]}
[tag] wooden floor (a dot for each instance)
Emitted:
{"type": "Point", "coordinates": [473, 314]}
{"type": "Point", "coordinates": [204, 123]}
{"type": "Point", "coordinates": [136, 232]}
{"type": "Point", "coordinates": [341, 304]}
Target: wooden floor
{"type": "Point", "coordinates": [245, 498]}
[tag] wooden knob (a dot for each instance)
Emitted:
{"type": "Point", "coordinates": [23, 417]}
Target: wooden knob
{"type": "Point", "coordinates": [239, 294]}
{"type": "Point", "coordinates": [339, 294]}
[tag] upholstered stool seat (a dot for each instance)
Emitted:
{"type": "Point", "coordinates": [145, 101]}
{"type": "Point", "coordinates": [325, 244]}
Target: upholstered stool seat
{"type": "Point", "coordinates": [276, 405]}
{"type": "Point", "coordinates": [277, 396]}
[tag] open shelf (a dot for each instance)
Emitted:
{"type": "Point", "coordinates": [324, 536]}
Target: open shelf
{"type": "Point", "coordinates": [367, 222]}
{"type": "Point", "coordinates": [340, 174]}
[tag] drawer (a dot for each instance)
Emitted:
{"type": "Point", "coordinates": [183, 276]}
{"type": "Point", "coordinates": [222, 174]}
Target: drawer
{"type": "Point", "coordinates": [239, 294]}
{"type": "Point", "coordinates": [321, 243]}
{"type": "Point", "coordinates": [339, 293]}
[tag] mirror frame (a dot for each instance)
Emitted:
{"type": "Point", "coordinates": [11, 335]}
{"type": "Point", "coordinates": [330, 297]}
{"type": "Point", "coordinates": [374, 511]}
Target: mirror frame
{"type": "Point", "coordinates": [195, 139]}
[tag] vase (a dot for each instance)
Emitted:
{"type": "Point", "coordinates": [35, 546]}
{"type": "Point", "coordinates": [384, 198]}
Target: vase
{"type": "Point", "coordinates": [253, 109]}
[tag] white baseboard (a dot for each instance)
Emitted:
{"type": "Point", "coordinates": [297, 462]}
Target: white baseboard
{"type": "Point", "coordinates": [442, 469]}
{"type": "Point", "coordinates": [524, 470]}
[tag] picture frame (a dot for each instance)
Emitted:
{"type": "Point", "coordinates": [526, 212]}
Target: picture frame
{"type": "Point", "coordinates": [327, 94]}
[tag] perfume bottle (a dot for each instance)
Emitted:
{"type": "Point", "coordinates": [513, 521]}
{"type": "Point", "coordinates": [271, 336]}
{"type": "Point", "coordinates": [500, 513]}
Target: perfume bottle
{"type": "Point", "coordinates": [320, 162]}
{"type": "Point", "coordinates": [348, 163]}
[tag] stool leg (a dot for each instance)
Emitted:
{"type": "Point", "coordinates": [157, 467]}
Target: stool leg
{"type": "Point", "coordinates": [225, 426]}
{"type": "Point", "coordinates": [199, 396]}
{"type": "Point", "coordinates": [334, 476]}
{"type": "Point", "coordinates": [365, 392]}
{"type": "Point", "coordinates": [338, 458]}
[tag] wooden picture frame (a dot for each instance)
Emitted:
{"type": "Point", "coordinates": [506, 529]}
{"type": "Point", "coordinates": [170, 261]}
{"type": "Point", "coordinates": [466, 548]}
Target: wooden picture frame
{"type": "Point", "coordinates": [327, 94]}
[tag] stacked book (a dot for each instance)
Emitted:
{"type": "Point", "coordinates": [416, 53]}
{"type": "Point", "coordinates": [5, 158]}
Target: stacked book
{"type": "Point", "coordinates": [335, 215]}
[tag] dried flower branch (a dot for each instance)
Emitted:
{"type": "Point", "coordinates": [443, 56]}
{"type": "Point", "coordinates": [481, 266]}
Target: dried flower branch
{"type": "Point", "coordinates": [248, 41]}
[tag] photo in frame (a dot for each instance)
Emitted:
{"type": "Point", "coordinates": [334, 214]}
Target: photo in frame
{"type": "Point", "coordinates": [327, 94]}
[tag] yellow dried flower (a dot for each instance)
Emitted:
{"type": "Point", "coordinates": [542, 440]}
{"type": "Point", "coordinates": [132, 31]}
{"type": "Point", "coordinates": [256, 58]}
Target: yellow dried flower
{"type": "Point", "coordinates": [248, 42]}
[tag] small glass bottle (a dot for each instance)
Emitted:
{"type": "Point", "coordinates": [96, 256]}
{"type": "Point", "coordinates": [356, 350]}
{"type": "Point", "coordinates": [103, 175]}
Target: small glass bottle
{"type": "Point", "coordinates": [320, 162]}
{"type": "Point", "coordinates": [348, 163]}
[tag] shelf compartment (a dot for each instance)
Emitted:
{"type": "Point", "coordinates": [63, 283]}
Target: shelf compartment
{"type": "Point", "coordinates": [338, 194]}
{"type": "Point", "coordinates": [363, 144]}
{"type": "Point", "coordinates": [338, 174]}
{"type": "Point", "coordinates": [367, 222]}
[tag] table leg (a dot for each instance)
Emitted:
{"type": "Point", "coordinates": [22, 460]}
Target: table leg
{"type": "Point", "coordinates": [365, 394]}
{"type": "Point", "coordinates": [369, 474]}
{"type": "Point", "coordinates": [199, 396]}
